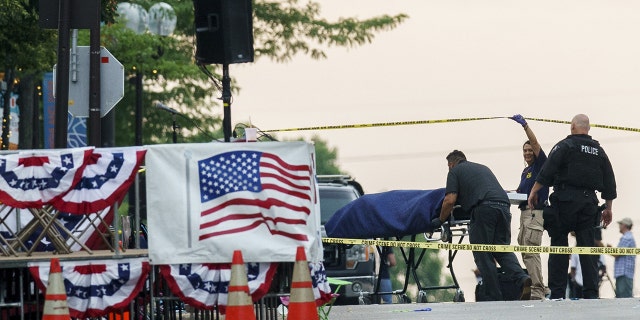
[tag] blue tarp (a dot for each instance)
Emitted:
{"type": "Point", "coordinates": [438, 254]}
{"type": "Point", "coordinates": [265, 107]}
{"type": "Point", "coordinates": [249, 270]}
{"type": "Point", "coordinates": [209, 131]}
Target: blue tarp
{"type": "Point", "coordinates": [395, 213]}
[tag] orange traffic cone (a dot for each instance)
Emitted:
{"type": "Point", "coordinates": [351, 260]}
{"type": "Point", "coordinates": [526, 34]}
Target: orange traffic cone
{"type": "Point", "coordinates": [55, 301]}
{"type": "Point", "coordinates": [239, 303]}
{"type": "Point", "coordinates": [302, 303]}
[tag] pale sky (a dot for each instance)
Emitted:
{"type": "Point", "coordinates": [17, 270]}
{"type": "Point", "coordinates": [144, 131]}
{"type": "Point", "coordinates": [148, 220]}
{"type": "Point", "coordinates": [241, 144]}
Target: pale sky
{"type": "Point", "coordinates": [462, 59]}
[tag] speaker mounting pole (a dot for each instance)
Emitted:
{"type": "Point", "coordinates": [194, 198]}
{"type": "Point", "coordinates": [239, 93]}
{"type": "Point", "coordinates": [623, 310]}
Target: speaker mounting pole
{"type": "Point", "coordinates": [224, 35]}
{"type": "Point", "coordinates": [226, 102]}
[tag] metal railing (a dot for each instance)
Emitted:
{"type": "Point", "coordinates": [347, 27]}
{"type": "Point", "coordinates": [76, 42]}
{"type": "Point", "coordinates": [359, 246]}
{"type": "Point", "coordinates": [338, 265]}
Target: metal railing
{"type": "Point", "coordinates": [20, 299]}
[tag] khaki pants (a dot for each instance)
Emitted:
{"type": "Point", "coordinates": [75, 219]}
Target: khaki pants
{"type": "Point", "coordinates": [531, 235]}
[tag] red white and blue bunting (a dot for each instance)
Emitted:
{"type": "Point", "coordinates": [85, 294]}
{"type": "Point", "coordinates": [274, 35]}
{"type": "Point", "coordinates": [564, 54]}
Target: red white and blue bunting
{"type": "Point", "coordinates": [78, 181]}
{"type": "Point", "coordinates": [94, 288]}
{"type": "Point", "coordinates": [31, 179]}
{"type": "Point", "coordinates": [105, 180]}
{"type": "Point", "coordinates": [83, 184]}
{"type": "Point", "coordinates": [205, 286]}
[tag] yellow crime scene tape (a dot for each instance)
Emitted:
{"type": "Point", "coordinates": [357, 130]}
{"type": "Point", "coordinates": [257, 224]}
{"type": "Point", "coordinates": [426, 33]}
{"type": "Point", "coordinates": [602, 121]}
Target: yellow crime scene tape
{"type": "Point", "coordinates": [486, 247]}
{"type": "Point", "coordinates": [604, 126]}
{"type": "Point", "coordinates": [462, 246]}
{"type": "Point", "coordinates": [382, 124]}
{"type": "Point", "coordinates": [416, 122]}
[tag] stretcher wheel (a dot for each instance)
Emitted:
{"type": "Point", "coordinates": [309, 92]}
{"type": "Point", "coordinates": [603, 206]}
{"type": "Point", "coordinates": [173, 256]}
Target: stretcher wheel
{"type": "Point", "coordinates": [422, 297]}
{"type": "Point", "coordinates": [364, 300]}
{"type": "Point", "coordinates": [402, 298]}
{"type": "Point", "coordinates": [459, 296]}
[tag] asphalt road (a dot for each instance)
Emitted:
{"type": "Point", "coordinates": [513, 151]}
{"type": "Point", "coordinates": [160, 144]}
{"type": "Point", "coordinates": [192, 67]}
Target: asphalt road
{"type": "Point", "coordinates": [528, 310]}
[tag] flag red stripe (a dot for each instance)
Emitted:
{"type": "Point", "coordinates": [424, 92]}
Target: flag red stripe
{"type": "Point", "coordinates": [283, 172]}
{"type": "Point", "coordinates": [286, 165]}
{"type": "Point", "coordinates": [266, 204]}
{"type": "Point", "coordinates": [90, 269]}
{"type": "Point", "coordinates": [285, 191]}
{"type": "Point", "coordinates": [33, 161]}
{"type": "Point", "coordinates": [295, 236]}
{"type": "Point", "coordinates": [240, 216]}
{"type": "Point", "coordinates": [283, 180]}
{"type": "Point", "coordinates": [94, 158]}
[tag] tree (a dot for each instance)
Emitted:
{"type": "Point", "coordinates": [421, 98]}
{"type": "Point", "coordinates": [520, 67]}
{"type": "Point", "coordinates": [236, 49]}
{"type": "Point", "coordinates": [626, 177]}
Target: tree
{"type": "Point", "coordinates": [326, 157]}
{"type": "Point", "coordinates": [281, 31]}
{"type": "Point", "coordinates": [26, 51]}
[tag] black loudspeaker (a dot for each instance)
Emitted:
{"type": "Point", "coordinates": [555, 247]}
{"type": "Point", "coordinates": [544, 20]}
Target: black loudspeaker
{"type": "Point", "coordinates": [224, 31]}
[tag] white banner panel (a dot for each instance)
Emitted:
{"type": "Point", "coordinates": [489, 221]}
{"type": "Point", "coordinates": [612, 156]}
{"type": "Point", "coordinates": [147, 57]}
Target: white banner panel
{"type": "Point", "coordinates": [206, 200]}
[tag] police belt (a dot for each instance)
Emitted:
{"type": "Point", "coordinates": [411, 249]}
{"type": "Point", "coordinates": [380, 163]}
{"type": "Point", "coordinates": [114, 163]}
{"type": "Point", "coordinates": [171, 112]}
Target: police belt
{"type": "Point", "coordinates": [567, 187]}
{"type": "Point", "coordinates": [493, 203]}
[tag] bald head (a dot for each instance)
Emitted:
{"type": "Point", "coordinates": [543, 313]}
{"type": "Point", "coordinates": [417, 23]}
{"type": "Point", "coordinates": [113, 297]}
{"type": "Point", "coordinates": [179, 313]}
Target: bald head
{"type": "Point", "coordinates": [580, 124]}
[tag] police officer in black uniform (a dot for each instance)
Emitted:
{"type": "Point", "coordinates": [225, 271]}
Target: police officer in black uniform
{"type": "Point", "coordinates": [577, 166]}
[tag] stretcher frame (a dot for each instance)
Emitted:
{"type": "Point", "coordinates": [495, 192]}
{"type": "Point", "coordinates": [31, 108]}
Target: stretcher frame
{"type": "Point", "coordinates": [449, 230]}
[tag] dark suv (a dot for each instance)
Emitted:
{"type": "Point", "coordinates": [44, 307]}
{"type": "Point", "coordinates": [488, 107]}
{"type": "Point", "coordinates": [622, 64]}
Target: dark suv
{"type": "Point", "coordinates": [353, 263]}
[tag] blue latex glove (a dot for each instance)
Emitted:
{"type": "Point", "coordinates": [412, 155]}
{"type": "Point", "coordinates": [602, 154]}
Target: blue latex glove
{"type": "Point", "coordinates": [519, 119]}
{"type": "Point", "coordinates": [436, 223]}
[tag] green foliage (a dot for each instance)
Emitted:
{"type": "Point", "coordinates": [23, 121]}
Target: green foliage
{"type": "Point", "coordinates": [108, 10]}
{"type": "Point", "coordinates": [284, 28]}
{"type": "Point", "coordinates": [24, 46]}
{"type": "Point", "coordinates": [326, 157]}
{"type": "Point", "coordinates": [281, 30]}
{"type": "Point", "coordinates": [166, 64]}
{"type": "Point", "coordinates": [169, 75]}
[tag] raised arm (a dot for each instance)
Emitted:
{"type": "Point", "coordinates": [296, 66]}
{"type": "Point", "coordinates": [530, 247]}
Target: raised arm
{"type": "Point", "coordinates": [530, 135]}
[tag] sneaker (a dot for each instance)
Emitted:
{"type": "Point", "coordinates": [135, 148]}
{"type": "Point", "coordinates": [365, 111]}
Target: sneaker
{"type": "Point", "coordinates": [526, 289]}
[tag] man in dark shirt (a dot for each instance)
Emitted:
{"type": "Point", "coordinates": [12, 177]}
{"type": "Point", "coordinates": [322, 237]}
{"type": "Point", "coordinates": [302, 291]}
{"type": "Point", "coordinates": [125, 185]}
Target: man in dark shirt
{"type": "Point", "coordinates": [577, 166]}
{"type": "Point", "coordinates": [476, 189]}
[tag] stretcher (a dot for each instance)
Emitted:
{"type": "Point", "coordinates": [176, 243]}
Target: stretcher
{"type": "Point", "coordinates": [397, 214]}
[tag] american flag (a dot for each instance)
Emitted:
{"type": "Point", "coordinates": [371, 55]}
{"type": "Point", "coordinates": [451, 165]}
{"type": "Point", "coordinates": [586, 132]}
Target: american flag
{"type": "Point", "coordinates": [243, 190]}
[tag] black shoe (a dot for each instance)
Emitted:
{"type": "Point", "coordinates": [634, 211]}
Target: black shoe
{"type": "Point", "coordinates": [526, 289]}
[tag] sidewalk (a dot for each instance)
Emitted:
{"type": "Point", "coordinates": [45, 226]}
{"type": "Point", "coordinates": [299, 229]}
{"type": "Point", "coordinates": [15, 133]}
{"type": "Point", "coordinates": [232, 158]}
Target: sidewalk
{"type": "Point", "coordinates": [522, 310]}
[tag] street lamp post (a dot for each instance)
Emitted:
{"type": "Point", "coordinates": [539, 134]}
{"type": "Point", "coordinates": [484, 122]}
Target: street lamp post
{"type": "Point", "coordinates": [160, 20]}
